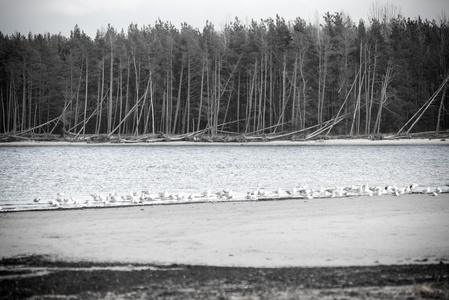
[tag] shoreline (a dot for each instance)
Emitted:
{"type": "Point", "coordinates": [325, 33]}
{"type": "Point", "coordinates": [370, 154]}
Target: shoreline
{"type": "Point", "coordinates": [319, 142]}
{"type": "Point", "coordinates": [117, 205]}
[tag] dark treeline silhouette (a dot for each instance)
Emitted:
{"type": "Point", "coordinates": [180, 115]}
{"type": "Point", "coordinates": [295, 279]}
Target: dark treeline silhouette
{"type": "Point", "coordinates": [265, 77]}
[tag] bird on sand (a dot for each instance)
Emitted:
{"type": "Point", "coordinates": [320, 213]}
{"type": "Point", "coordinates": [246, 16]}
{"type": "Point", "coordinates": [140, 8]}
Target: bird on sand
{"type": "Point", "coordinates": [206, 194]}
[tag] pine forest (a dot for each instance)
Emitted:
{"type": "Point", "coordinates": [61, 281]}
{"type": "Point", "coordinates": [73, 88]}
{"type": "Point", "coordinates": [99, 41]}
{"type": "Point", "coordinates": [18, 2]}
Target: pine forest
{"type": "Point", "coordinates": [269, 78]}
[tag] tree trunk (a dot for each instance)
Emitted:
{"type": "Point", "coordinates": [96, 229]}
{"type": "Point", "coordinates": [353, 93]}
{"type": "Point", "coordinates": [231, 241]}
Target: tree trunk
{"type": "Point", "coordinates": [15, 108]}
{"type": "Point", "coordinates": [178, 100]}
{"type": "Point", "coordinates": [24, 81]}
{"type": "Point", "coordinates": [186, 123]}
{"type": "Point", "coordinates": [217, 98]}
{"type": "Point", "coordinates": [265, 92]}
{"type": "Point", "coordinates": [137, 81]}
{"type": "Point", "coordinates": [100, 97]}
{"type": "Point", "coordinates": [189, 90]}
{"type": "Point", "coordinates": [30, 102]}
{"type": "Point", "coordinates": [295, 73]}
{"type": "Point", "coordinates": [440, 109]}
{"type": "Point", "coordinates": [238, 104]}
{"type": "Point", "coordinates": [372, 92]}
{"type": "Point", "coordinates": [165, 105]}
{"type": "Point", "coordinates": [152, 105]}
{"type": "Point", "coordinates": [284, 88]}
{"type": "Point", "coordinates": [357, 104]}
{"type": "Point", "coordinates": [111, 84]}
{"type": "Point", "coordinates": [366, 75]}
{"type": "Point", "coordinates": [383, 97]}
{"type": "Point", "coordinates": [250, 99]}
{"type": "Point", "coordinates": [86, 96]}
{"type": "Point", "coordinates": [260, 110]}
{"type": "Point", "coordinates": [120, 93]}
{"type": "Point", "coordinates": [201, 98]}
{"type": "Point", "coordinates": [77, 100]}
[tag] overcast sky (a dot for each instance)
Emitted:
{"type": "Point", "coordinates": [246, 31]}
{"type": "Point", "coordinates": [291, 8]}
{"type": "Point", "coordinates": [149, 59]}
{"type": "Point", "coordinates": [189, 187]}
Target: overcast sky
{"type": "Point", "coordinates": [60, 16]}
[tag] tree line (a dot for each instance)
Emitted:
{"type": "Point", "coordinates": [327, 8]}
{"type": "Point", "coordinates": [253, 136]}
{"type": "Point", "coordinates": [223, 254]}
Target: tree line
{"type": "Point", "coordinates": [266, 77]}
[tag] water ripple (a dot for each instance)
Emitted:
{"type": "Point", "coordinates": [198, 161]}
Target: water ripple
{"type": "Point", "coordinates": [79, 171]}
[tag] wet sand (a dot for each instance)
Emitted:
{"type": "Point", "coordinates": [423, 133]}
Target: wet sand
{"type": "Point", "coordinates": [352, 231]}
{"type": "Point", "coordinates": [346, 248]}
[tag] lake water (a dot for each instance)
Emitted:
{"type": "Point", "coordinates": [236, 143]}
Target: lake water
{"type": "Point", "coordinates": [80, 171]}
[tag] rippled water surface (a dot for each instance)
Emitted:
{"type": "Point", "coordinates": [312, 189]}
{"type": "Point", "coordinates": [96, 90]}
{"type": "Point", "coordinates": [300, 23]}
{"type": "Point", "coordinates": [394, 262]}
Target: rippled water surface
{"type": "Point", "coordinates": [79, 171]}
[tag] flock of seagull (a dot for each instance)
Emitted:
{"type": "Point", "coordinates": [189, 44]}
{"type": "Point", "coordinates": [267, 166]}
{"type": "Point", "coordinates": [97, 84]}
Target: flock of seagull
{"type": "Point", "coordinates": [303, 192]}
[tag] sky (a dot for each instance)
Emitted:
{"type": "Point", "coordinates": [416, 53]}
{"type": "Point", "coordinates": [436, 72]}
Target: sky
{"type": "Point", "coordinates": [61, 16]}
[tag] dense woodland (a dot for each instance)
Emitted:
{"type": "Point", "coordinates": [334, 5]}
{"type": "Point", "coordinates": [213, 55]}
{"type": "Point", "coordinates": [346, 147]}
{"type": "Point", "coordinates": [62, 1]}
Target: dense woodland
{"type": "Point", "coordinates": [268, 77]}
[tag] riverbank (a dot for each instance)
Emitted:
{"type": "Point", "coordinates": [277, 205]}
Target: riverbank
{"type": "Point", "coordinates": [318, 142]}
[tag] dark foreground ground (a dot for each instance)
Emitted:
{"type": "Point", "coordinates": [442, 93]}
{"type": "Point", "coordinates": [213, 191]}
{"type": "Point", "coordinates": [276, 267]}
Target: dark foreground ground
{"type": "Point", "coordinates": [38, 277]}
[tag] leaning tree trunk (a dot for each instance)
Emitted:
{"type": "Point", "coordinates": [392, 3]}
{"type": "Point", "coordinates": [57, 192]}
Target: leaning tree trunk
{"type": "Point", "coordinates": [178, 100]}
{"type": "Point", "coordinates": [201, 98]}
{"type": "Point", "coordinates": [383, 97]}
{"type": "Point", "coordinates": [440, 109]}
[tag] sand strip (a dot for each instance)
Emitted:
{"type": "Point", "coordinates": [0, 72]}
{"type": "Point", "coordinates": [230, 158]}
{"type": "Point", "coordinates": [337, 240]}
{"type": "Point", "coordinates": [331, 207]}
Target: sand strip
{"type": "Point", "coordinates": [336, 142]}
{"type": "Point", "coordinates": [319, 232]}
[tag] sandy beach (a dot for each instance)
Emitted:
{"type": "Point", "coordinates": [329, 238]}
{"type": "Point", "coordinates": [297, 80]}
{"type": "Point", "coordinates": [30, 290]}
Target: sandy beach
{"type": "Point", "coordinates": [351, 231]}
{"type": "Point", "coordinates": [353, 248]}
